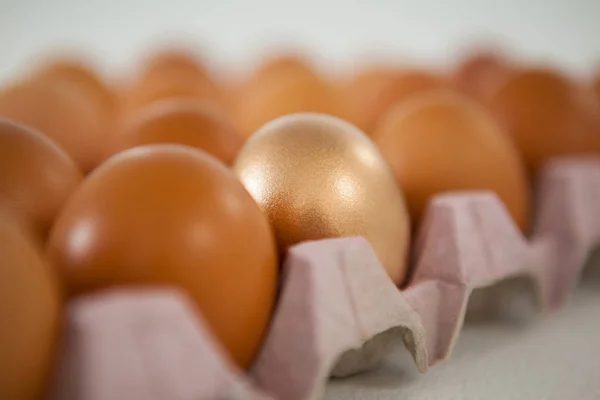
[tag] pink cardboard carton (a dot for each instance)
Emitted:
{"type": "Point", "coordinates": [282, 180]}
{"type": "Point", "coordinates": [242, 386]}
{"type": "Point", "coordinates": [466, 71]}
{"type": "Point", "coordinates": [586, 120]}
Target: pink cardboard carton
{"type": "Point", "coordinates": [338, 313]}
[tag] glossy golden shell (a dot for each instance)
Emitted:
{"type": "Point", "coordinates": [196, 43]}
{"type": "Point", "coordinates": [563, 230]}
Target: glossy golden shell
{"type": "Point", "coordinates": [317, 176]}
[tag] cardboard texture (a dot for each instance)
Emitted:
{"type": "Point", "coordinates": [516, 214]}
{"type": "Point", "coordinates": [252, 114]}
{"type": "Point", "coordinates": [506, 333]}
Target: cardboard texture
{"type": "Point", "coordinates": [338, 313]}
{"type": "Point", "coordinates": [143, 344]}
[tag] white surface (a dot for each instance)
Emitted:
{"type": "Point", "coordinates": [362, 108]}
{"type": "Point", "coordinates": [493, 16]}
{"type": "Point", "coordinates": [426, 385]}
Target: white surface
{"type": "Point", "coordinates": [235, 32]}
{"type": "Point", "coordinates": [554, 357]}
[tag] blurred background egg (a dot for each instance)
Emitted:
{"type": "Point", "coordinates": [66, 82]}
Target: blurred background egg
{"type": "Point", "coordinates": [272, 67]}
{"type": "Point", "coordinates": [480, 72]}
{"type": "Point", "coordinates": [596, 86]}
{"type": "Point", "coordinates": [375, 75]}
{"type": "Point", "coordinates": [546, 114]}
{"type": "Point", "coordinates": [370, 101]}
{"type": "Point", "coordinates": [363, 87]}
{"type": "Point", "coordinates": [280, 89]}
{"type": "Point", "coordinates": [36, 176]}
{"type": "Point", "coordinates": [175, 59]}
{"type": "Point", "coordinates": [595, 105]}
{"type": "Point", "coordinates": [173, 215]}
{"type": "Point", "coordinates": [440, 142]}
{"type": "Point", "coordinates": [193, 123]}
{"type": "Point", "coordinates": [171, 73]}
{"type": "Point", "coordinates": [81, 77]}
{"type": "Point", "coordinates": [286, 63]}
{"type": "Point", "coordinates": [58, 113]}
{"type": "Point", "coordinates": [317, 177]}
{"type": "Point", "coordinates": [30, 309]}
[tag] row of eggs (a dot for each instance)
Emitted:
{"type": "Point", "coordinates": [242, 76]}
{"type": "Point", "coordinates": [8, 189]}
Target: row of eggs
{"type": "Point", "coordinates": [97, 191]}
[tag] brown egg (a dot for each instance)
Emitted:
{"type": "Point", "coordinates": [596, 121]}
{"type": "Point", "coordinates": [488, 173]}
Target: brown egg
{"type": "Point", "coordinates": [231, 91]}
{"type": "Point", "coordinates": [174, 215]}
{"type": "Point", "coordinates": [81, 78]}
{"type": "Point", "coordinates": [441, 142]}
{"type": "Point", "coordinates": [596, 91]}
{"type": "Point", "coordinates": [272, 68]}
{"type": "Point", "coordinates": [367, 82]}
{"type": "Point", "coordinates": [171, 74]}
{"type": "Point", "coordinates": [480, 73]}
{"type": "Point", "coordinates": [371, 101]}
{"type": "Point", "coordinates": [339, 105]}
{"type": "Point", "coordinates": [546, 115]}
{"type": "Point", "coordinates": [187, 122]}
{"type": "Point", "coordinates": [30, 308]}
{"type": "Point", "coordinates": [283, 64]}
{"type": "Point", "coordinates": [317, 177]}
{"type": "Point", "coordinates": [284, 94]}
{"type": "Point", "coordinates": [596, 86]}
{"type": "Point", "coordinates": [174, 59]}
{"type": "Point", "coordinates": [36, 176]}
{"type": "Point", "coordinates": [589, 105]}
{"type": "Point", "coordinates": [59, 114]}
{"type": "Point", "coordinates": [376, 75]}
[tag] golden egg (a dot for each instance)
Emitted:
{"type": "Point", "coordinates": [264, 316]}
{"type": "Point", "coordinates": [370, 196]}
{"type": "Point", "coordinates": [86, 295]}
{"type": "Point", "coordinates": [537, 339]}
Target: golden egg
{"type": "Point", "coordinates": [317, 176]}
{"type": "Point", "coordinates": [173, 215]}
{"type": "Point", "coordinates": [30, 308]}
{"type": "Point", "coordinates": [59, 114]}
{"type": "Point", "coordinates": [440, 142]}
{"type": "Point", "coordinates": [188, 122]}
{"type": "Point", "coordinates": [36, 176]}
{"type": "Point", "coordinates": [546, 114]}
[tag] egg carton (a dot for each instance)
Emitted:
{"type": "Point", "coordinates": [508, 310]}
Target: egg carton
{"type": "Point", "coordinates": [338, 312]}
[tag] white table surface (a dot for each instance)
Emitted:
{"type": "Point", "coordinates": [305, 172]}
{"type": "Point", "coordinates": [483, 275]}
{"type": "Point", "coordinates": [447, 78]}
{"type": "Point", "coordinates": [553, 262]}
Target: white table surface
{"type": "Point", "coordinates": [552, 357]}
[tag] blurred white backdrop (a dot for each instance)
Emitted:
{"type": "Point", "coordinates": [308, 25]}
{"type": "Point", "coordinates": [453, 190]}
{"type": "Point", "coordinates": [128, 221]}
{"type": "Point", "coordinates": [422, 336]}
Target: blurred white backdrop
{"type": "Point", "coordinates": [234, 33]}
